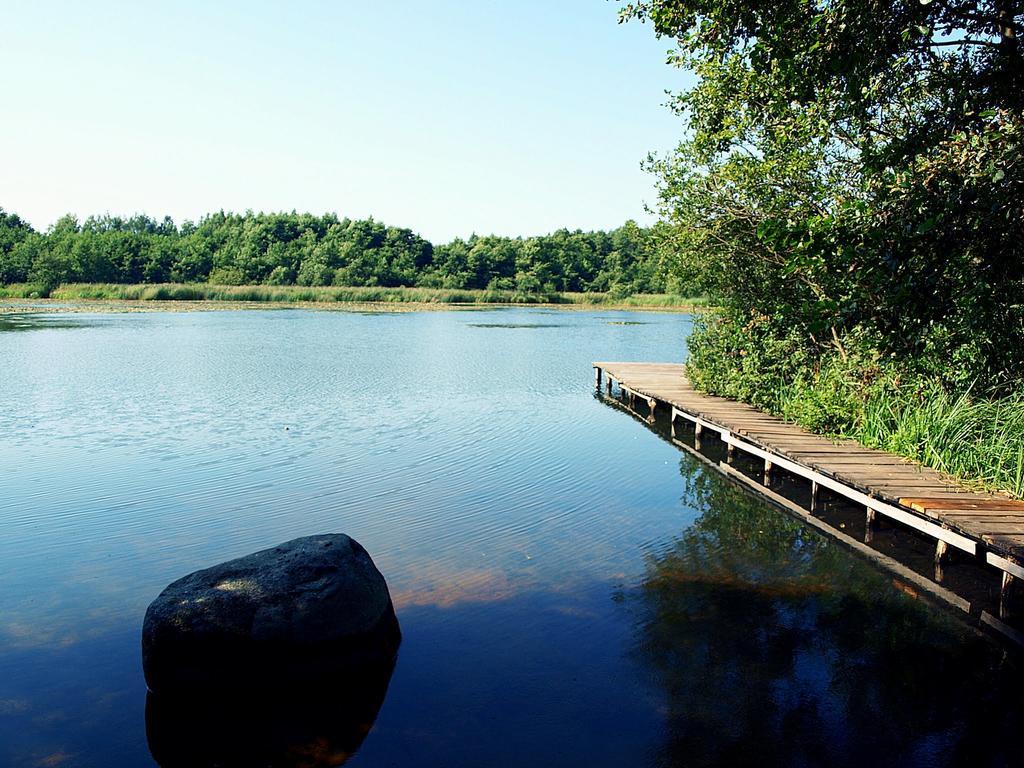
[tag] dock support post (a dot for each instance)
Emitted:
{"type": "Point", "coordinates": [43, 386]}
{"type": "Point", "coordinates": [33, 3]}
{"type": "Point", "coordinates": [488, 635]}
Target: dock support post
{"type": "Point", "coordinates": [597, 379]}
{"type": "Point", "coordinates": [768, 471]}
{"type": "Point", "coordinates": [815, 488]}
{"type": "Point", "coordinates": [730, 453]}
{"type": "Point", "coordinates": [941, 555]}
{"type": "Point", "coordinates": [608, 383]}
{"type": "Point", "coordinates": [698, 430]}
{"type": "Point", "coordinates": [652, 404]}
{"type": "Point", "coordinates": [870, 522]}
{"type": "Point", "coordinates": [1004, 595]}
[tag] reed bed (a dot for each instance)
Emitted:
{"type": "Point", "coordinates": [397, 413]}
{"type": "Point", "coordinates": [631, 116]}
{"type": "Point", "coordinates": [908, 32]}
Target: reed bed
{"type": "Point", "coordinates": [349, 294]}
{"type": "Point", "coordinates": [977, 439]}
{"type": "Point", "coordinates": [23, 291]}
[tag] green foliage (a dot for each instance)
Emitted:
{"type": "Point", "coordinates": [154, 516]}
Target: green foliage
{"type": "Point", "coordinates": [850, 191]}
{"type": "Point", "coordinates": [302, 249]}
{"type": "Point", "coordinates": [18, 243]}
{"type": "Point", "coordinates": [853, 170]}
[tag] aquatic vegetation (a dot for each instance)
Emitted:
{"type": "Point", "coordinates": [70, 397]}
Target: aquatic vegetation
{"type": "Point", "coordinates": [23, 291]}
{"type": "Point", "coordinates": [515, 325]}
{"type": "Point", "coordinates": [351, 294]}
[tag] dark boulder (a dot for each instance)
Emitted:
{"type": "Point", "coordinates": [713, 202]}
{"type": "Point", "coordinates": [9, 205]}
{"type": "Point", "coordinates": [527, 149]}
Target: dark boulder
{"type": "Point", "coordinates": [309, 608]}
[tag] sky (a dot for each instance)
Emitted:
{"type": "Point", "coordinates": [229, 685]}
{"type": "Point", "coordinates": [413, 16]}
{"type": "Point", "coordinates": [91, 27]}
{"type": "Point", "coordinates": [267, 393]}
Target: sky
{"type": "Point", "coordinates": [449, 117]}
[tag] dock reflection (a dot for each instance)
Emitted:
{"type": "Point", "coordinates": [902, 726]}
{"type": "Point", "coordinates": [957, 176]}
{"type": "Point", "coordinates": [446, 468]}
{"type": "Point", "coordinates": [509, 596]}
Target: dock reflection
{"type": "Point", "coordinates": [960, 583]}
{"type": "Point", "coordinates": [772, 646]}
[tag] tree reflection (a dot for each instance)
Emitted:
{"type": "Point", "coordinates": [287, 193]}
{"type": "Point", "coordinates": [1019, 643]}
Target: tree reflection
{"type": "Point", "coordinates": [776, 646]}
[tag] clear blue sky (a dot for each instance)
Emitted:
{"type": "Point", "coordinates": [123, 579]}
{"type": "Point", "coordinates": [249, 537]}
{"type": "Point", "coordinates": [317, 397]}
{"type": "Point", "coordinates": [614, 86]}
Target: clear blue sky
{"type": "Point", "coordinates": [450, 117]}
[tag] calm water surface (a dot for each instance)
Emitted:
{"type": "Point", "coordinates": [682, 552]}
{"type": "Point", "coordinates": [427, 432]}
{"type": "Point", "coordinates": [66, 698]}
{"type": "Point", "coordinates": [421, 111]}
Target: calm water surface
{"type": "Point", "coordinates": [572, 589]}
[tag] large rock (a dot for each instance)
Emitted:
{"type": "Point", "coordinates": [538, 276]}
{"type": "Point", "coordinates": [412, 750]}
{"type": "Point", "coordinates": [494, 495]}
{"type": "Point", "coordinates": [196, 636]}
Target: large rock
{"type": "Point", "coordinates": [280, 617]}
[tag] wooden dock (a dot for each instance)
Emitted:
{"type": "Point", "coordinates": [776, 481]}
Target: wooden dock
{"type": "Point", "coordinates": [983, 525]}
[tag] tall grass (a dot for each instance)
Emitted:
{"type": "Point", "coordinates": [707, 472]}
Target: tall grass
{"type": "Point", "coordinates": [978, 440]}
{"type": "Point", "coordinates": [295, 293]}
{"type": "Point", "coordinates": [645, 300]}
{"type": "Point", "coordinates": [23, 291]}
{"type": "Point", "coordinates": [906, 406]}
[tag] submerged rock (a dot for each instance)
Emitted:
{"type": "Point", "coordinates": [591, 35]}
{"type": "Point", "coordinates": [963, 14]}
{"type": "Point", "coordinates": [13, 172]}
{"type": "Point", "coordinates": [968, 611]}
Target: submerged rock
{"type": "Point", "coordinates": [311, 607]}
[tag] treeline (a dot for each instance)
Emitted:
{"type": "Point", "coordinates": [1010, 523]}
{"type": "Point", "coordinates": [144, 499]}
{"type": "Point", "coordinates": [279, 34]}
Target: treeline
{"type": "Point", "coordinates": [303, 249]}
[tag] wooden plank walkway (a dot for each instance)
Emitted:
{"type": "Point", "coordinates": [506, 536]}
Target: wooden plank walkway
{"type": "Point", "coordinates": [981, 524]}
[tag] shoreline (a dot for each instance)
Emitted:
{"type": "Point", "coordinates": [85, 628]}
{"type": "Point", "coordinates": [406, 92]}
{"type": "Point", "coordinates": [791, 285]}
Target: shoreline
{"type": "Point", "coordinates": [115, 306]}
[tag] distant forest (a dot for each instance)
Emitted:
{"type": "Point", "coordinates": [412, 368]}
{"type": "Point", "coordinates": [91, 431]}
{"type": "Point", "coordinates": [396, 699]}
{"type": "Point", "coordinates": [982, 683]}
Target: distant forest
{"type": "Point", "coordinates": [303, 249]}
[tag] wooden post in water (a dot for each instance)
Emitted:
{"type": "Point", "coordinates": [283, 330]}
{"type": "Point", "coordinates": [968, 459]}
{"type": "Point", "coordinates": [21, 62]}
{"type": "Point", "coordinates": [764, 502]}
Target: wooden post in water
{"type": "Point", "coordinates": [652, 404]}
{"type": "Point", "coordinates": [597, 379]}
{"type": "Point", "coordinates": [815, 488]}
{"type": "Point", "coordinates": [608, 383]}
{"type": "Point", "coordinates": [768, 471]}
{"type": "Point", "coordinates": [869, 525]}
{"type": "Point", "coordinates": [941, 555]}
{"type": "Point", "coordinates": [730, 453]}
{"type": "Point", "coordinates": [698, 430]}
{"type": "Point", "coordinates": [1004, 595]}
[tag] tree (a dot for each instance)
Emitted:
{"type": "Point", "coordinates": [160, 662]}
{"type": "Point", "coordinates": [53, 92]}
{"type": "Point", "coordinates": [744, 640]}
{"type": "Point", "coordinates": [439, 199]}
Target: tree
{"type": "Point", "coordinates": [850, 181]}
{"type": "Point", "coordinates": [290, 248]}
{"type": "Point", "coordinates": [15, 261]}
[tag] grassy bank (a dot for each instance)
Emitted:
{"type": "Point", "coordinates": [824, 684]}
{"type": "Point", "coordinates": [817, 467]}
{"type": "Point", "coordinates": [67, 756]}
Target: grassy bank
{"type": "Point", "coordinates": [904, 407]}
{"type": "Point", "coordinates": [362, 295]}
{"type": "Point", "coordinates": [978, 440]}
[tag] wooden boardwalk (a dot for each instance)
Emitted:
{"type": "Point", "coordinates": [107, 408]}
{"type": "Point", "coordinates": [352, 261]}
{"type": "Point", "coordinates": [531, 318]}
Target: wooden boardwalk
{"type": "Point", "coordinates": [980, 524]}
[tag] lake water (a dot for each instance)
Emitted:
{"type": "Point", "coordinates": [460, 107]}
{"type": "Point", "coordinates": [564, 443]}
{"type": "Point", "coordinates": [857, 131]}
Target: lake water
{"type": "Point", "coordinates": [573, 590]}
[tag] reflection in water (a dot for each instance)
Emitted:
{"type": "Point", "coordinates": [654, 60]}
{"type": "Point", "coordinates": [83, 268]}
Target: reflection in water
{"type": "Point", "coordinates": [774, 647]}
{"type": "Point", "coordinates": [31, 322]}
{"type": "Point", "coordinates": [508, 506]}
{"type": "Point", "coordinates": [309, 727]}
